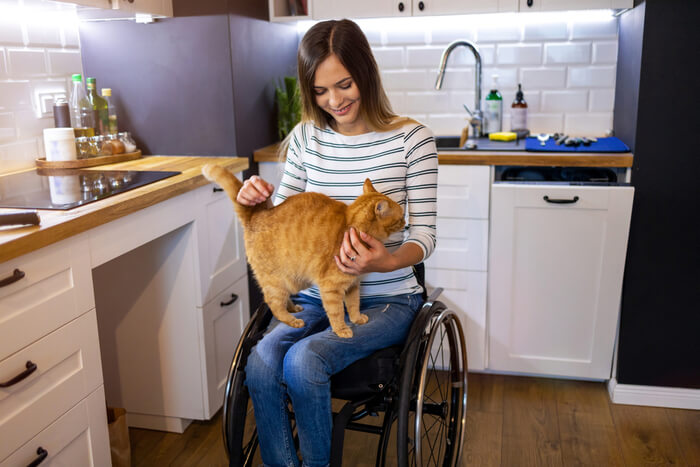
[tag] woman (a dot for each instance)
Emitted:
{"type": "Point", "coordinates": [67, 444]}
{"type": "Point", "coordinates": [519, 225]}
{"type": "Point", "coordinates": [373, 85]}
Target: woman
{"type": "Point", "coordinates": [348, 133]}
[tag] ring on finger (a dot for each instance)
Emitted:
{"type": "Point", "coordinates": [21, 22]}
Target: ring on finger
{"type": "Point", "coordinates": [352, 258]}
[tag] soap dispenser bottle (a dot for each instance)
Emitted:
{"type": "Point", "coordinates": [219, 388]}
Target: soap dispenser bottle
{"type": "Point", "coordinates": [518, 112]}
{"type": "Point", "coordinates": [494, 108]}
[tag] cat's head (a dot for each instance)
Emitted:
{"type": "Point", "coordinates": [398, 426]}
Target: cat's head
{"type": "Point", "coordinates": [382, 214]}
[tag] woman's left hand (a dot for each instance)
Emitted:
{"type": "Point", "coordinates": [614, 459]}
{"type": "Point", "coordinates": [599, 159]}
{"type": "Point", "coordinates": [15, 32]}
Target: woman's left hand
{"type": "Point", "coordinates": [361, 253]}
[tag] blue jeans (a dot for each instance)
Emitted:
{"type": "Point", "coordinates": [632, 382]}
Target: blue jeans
{"type": "Point", "coordinates": [297, 363]}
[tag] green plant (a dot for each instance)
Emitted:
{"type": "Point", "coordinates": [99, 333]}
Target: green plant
{"type": "Point", "coordinates": [288, 106]}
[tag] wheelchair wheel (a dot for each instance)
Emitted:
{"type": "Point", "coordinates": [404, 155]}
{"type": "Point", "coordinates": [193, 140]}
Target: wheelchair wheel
{"type": "Point", "coordinates": [433, 394]}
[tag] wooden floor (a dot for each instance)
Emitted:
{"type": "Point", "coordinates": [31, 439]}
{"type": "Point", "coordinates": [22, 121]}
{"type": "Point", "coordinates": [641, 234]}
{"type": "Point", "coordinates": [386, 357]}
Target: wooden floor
{"type": "Point", "coordinates": [511, 421]}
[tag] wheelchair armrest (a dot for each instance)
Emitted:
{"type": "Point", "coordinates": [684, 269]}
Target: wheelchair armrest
{"type": "Point", "coordinates": [433, 296]}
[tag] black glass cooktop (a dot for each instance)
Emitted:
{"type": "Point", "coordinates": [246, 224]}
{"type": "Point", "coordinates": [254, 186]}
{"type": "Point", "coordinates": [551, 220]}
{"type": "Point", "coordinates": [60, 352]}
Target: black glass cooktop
{"type": "Point", "coordinates": [35, 190]}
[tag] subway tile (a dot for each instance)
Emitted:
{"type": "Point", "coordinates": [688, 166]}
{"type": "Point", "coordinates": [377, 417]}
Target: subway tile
{"type": "Point", "coordinates": [602, 100]}
{"type": "Point", "coordinates": [389, 57]}
{"type": "Point", "coordinates": [545, 122]}
{"type": "Point", "coordinates": [44, 33]}
{"type": "Point", "coordinates": [604, 52]}
{"type": "Point", "coordinates": [7, 127]}
{"type": "Point", "coordinates": [507, 77]}
{"type": "Point", "coordinates": [64, 62]}
{"type": "Point", "coordinates": [10, 31]}
{"type": "Point", "coordinates": [71, 38]}
{"type": "Point", "coordinates": [445, 124]}
{"type": "Point", "coordinates": [461, 56]}
{"type": "Point", "coordinates": [431, 102]}
{"type": "Point", "coordinates": [455, 79]}
{"type": "Point", "coordinates": [31, 126]}
{"type": "Point", "coordinates": [3, 70]}
{"type": "Point", "coordinates": [429, 57]}
{"type": "Point", "coordinates": [19, 155]}
{"type": "Point", "coordinates": [443, 36]}
{"type": "Point", "coordinates": [395, 80]}
{"type": "Point", "coordinates": [374, 36]}
{"type": "Point", "coordinates": [588, 124]}
{"type": "Point", "coordinates": [564, 101]}
{"type": "Point", "coordinates": [543, 78]}
{"type": "Point", "coordinates": [553, 31]}
{"type": "Point", "coordinates": [25, 62]}
{"type": "Point", "coordinates": [594, 29]}
{"type": "Point", "coordinates": [397, 100]}
{"type": "Point", "coordinates": [498, 33]}
{"type": "Point", "coordinates": [457, 101]}
{"type": "Point", "coordinates": [556, 53]}
{"type": "Point", "coordinates": [591, 77]}
{"type": "Point", "coordinates": [519, 54]}
{"type": "Point", "coordinates": [406, 36]}
{"type": "Point", "coordinates": [15, 95]}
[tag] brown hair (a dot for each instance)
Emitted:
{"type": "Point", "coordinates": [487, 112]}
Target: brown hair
{"type": "Point", "coordinates": [345, 40]}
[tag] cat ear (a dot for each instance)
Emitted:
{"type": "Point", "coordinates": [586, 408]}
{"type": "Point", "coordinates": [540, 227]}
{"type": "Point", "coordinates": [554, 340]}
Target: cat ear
{"type": "Point", "coordinates": [381, 209]}
{"type": "Point", "coordinates": [367, 187]}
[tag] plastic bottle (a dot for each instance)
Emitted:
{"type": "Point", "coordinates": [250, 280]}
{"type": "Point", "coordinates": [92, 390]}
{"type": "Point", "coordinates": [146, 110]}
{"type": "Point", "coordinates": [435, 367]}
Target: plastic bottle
{"type": "Point", "coordinates": [111, 111]}
{"type": "Point", "coordinates": [518, 111]}
{"type": "Point", "coordinates": [82, 117]}
{"type": "Point", "coordinates": [494, 109]}
{"type": "Point", "coordinates": [99, 106]}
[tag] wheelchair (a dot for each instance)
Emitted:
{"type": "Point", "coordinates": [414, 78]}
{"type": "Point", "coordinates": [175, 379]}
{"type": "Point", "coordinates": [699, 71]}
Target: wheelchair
{"type": "Point", "coordinates": [419, 387]}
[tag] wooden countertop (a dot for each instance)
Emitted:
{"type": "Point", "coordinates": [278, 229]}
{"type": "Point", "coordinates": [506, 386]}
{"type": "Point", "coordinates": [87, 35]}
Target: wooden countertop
{"type": "Point", "coordinates": [568, 159]}
{"type": "Point", "coordinates": [59, 225]}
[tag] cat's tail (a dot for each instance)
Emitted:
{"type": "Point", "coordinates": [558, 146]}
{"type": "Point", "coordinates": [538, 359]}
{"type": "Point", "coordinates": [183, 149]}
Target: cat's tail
{"type": "Point", "coordinates": [231, 185]}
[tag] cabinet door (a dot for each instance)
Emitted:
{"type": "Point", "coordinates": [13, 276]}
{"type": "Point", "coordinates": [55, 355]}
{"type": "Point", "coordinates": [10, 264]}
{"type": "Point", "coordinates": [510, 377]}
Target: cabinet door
{"type": "Point", "coordinates": [220, 242]}
{"type": "Point", "coordinates": [78, 437]}
{"type": "Point", "coordinates": [336, 9]}
{"type": "Point", "coordinates": [223, 320]}
{"type": "Point", "coordinates": [455, 7]}
{"type": "Point", "coordinates": [553, 5]}
{"type": "Point", "coordinates": [555, 277]}
{"type": "Point", "coordinates": [154, 7]}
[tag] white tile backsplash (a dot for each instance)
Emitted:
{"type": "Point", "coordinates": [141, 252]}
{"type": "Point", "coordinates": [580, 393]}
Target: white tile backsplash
{"type": "Point", "coordinates": [39, 50]}
{"type": "Point", "coordinates": [566, 65]}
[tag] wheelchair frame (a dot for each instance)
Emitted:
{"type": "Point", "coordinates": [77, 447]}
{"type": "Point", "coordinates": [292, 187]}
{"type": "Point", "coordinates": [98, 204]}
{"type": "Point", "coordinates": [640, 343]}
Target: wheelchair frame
{"type": "Point", "coordinates": [405, 397]}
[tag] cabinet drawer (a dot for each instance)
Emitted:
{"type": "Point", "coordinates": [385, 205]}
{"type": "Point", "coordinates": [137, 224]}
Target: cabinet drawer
{"type": "Point", "coordinates": [222, 253]}
{"type": "Point", "coordinates": [78, 438]}
{"type": "Point", "coordinates": [68, 368]}
{"type": "Point", "coordinates": [56, 288]}
{"type": "Point", "coordinates": [462, 244]}
{"type": "Point", "coordinates": [463, 191]}
{"type": "Point", "coordinates": [223, 321]}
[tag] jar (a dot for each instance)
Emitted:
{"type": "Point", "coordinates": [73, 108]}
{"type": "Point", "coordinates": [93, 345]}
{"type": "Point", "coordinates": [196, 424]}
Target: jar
{"type": "Point", "coordinates": [129, 143]}
{"type": "Point", "coordinates": [85, 147]}
{"type": "Point", "coordinates": [96, 142]}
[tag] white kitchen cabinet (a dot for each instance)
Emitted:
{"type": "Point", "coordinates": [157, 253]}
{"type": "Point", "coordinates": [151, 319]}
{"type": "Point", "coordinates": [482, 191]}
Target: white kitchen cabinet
{"type": "Point", "coordinates": [279, 11]}
{"type": "Point", "coordinates": [558, 5]}
{"type": "Point", "coordinates": [327, 9]}
{"type": "Point", "coordinates": [461, 7]}
{"type": "Point", "coordinates": [555, 277]}
{"type": "Point", "coordinates": [153, 7]}
{"type": "Point", "coordinates": [459, 262]}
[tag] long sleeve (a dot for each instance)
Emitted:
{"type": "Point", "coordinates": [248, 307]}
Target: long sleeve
{"type": "Point", "coordinates": [294, 177]}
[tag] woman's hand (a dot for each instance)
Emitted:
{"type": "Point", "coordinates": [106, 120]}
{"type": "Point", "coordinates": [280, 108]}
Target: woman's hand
{"type": "Point", "coordinates": [361, 253]}
{"type": "Point", "coordinates": [254, 191]}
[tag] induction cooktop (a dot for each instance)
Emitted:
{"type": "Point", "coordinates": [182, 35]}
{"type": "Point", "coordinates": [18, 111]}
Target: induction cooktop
{"type": "Point", "coordinates": [63, 191]}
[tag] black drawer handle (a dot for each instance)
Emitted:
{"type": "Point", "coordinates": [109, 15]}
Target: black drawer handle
{"type": "Point", "coordinates": [529, 3]}
{"type": "Point", "coordinates": [234, 297]}
{"type": "Point", "coordinates": [41, 455]}
{"type": "Point", "coordinates": [16, 275]}
{"type": "Point", "coordinates": [560, 201]}
{"type": "Point", "coordinates": [421, 6]}
{"type": "Point", "coordinates": [31, 368]}
{"type": "Point", "coordinates": [401, 7]}
{"type": "Point", "coordinates": [217, 189]}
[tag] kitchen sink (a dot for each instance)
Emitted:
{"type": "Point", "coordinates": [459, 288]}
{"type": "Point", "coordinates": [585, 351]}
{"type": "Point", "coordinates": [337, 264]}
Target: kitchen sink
{"type": "Point", "coordinates": [451, 143]}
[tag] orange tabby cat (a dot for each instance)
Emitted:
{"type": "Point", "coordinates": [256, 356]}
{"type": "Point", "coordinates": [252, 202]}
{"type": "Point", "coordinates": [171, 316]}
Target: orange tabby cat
{"type": "Point", "coordinates": [292, 245]}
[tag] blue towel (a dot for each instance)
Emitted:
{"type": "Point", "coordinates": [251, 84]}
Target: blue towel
{"type": "Point", "coordinates": [611, 144]}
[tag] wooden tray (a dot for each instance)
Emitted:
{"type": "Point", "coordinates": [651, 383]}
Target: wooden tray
{"type": "Point", "coordinates": [42, 163]}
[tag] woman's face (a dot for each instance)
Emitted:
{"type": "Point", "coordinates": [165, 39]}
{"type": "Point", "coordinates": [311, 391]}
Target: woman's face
{"type": "Point", "coordinates": [337, 93]}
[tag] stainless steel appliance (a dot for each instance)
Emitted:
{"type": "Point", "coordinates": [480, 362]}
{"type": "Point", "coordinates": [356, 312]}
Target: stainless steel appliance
{"type": "Point", "coordinates": [63, 191]}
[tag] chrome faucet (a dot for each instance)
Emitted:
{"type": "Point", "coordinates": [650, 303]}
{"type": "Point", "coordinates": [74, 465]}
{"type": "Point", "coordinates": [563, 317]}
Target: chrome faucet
{"type": "Point", "coordinates": [477, 116]}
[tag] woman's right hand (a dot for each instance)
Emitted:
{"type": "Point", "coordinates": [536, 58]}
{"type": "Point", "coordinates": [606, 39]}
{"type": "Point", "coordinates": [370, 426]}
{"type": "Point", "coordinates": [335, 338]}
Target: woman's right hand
{"type": "Point", "coordinates": [254, 191]}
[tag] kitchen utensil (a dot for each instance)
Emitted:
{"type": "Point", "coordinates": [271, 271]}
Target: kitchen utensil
{"type": "Point", "coordinates": [20, 218]}
{"type": "Point", "coordinates": [560, 138]}
{"type": "Point", "coordinates": [542, 138]}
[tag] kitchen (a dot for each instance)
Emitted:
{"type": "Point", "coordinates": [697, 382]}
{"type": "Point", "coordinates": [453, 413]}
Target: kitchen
{"type": "Point", "coordinates": [571, 77]}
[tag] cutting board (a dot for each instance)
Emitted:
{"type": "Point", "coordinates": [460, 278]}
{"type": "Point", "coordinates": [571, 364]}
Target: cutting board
{"type": "Point", "coordinates": [610, 144]}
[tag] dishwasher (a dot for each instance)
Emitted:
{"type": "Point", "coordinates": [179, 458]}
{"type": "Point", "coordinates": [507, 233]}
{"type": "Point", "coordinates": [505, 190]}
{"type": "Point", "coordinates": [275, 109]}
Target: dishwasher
{"type": "Point", "coordinates": [558, 241]}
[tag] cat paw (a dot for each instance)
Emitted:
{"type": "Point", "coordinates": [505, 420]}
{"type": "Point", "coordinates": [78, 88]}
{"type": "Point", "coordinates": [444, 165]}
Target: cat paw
{"type": "Point", "coordinates": [296, 309]}
{"type": "Point", "coordinates": [296, 323]}
{"type": "Point", "coordinates": [345, 332]}
{"type": "Point", "coordinates": [362, 319]}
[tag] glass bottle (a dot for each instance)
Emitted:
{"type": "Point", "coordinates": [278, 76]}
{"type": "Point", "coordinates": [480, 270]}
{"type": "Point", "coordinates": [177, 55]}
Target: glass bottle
{"type": "Point", "coordinates": [111, 111]}
{"type": "Point", "coordinates": [99, 106]}
{"type": "Point", "coordinates": [82, 116]}
{"type": "Point", "coordinates": [518, 111]}
{"type": "Point", "coordinates": [494, 108]}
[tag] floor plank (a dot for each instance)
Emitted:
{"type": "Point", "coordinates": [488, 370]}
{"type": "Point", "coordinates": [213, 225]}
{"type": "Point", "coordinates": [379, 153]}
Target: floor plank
{"type": "Point", "coordinates": [686, 428]}
{"type": "Point", "coordinates": [646, 436]}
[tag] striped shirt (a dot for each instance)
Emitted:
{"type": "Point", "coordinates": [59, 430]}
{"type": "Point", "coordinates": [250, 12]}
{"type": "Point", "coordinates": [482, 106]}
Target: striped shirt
{"type": "Point", "coordinates": [401, 163]}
